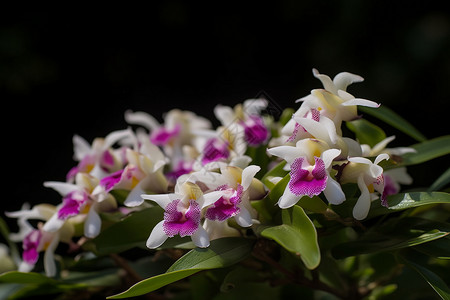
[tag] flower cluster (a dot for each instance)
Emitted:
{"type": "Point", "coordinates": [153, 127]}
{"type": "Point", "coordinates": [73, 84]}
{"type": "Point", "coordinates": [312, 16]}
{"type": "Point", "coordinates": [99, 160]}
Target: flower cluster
{"type": "Point", "coordinates": [205, 178]}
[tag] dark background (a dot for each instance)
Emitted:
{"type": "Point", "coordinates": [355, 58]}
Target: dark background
{"type": "Point", "coordinates": [77, 72]}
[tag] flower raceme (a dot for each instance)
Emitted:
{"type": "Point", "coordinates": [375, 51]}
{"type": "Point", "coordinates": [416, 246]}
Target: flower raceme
{"type": "Point", "coordinates": [204, 177]}
{"type": "Point", "coordinates": [216, 197]}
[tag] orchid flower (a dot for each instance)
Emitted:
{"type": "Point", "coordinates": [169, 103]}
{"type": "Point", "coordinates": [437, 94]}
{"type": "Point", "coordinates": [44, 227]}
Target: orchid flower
{"type": "Point", "coordinates": [369, 177]}
{"type": "Point", "coordinates": [143, 173]}
{"type": "Point", "coordinates": [238, 186]}
{"type": "Point", "coordinates": [80, 201]}
{"type": "Point", "coordinates": [174, 133]}
{"type": "Point", "coordinates": [98, 159]}
{"type": "Point", "coordinates": [245, 117]}
{"type": "Point", "coordinates": [381, 148]}
{"type": "Point", "coordinates": [38, 240]}
{"type": "Point", "coordinates": [183, 214]}
{"type": "Point", "coordinates": [332, 102]}
{"type": "Point", "coordinates": [310, 162]}
{"type": "Point", "coordinates": [224, 146]}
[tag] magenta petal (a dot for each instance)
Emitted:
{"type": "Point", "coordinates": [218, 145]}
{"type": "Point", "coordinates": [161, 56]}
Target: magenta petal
{"type": "Point", "coordinates": [181, 169]}
{"type": "Point", "coordinates": [72, 204]}
{"type": "Point", "coordinates": [107, 158]}
{"type": "Point", "coordinates": [162, 136]}
{"type": "Point", "coordinates": [255, 131]}
{"type": "Point", "coordinates": [30, 245]}
{"type": "Point", "coordinates": [110, 181]}
{"type": "Point", "coordinates": [214, 150]}
{"type": "Point", "coordinates": [226, 207]}
{"type": "Point", "coordinates": [304, 182]}
{"type": "Point", "coordinates": [184, 224]}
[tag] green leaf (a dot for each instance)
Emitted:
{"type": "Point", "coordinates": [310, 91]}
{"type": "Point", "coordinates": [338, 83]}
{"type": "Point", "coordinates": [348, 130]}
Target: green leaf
{"type": "Point", "coordinates": [439, 248]}
{"type": "Point", "coordinates": [366, 132]}
{"type": "Point", "coordinates": [221, 253]}
{"type": "Point", "coordinates": [442, 181]}
{"type": "Point", "coordinates": [374, 242]}
{"type": "Point", "coordinates": [427, 150]}
{"type": "Point", "coordinates": [404, 201]}
{"type": "Point", "coordinates": [25, 278]}
{"type": "Point", "coordinates": [439, 286]}
{"type": "Point", "coordinates": [388, 116]}
{"type": "Point", "coordinates": [133, 231]}
{"type": "Point", "coordinates": [298, 235]}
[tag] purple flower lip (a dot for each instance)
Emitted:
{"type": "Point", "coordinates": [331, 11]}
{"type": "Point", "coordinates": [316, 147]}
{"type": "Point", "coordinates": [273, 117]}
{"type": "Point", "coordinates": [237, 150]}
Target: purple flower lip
{"type": "Point", "coordinates": [255, 131]}
{"type": "Point", "coordinates": [309, 180]}
{"type": "Point", "coordinates": [227, 206]}
{"type": "Point", "coordinates": [30, 247]}
{"type": "Point", "coordinates": [181, 220]}
{"type": "Point", "coordinates": [110, 181]}
{"type": "Point", "coordinates": [72, 204]}
{"type": "Point", "coordinates": [162, 136]}
{"type": "Point", "coordinates": [215, 150]}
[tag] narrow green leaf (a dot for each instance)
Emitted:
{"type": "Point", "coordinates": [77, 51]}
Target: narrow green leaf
{"type": "Point", "coordinates": [442, 181]}
{"type": "Point", "coordinates": [376, 242]}
{"type": "Point", "coordinates": [408, 200]}
{"type": "Point", "coordinates": [427, 150]}
{"type": "Point", "coordinates": [439, 286]}
{"type": "Point", "coordinates": [366, 132]}
{"type": "Point", "coordinates": [298, 235]}
{"type": "Point", "coordinates": [153, 283]}
{"type": "Point", "coordinates": [388, 116]}
{"type": "Point", "coordinates": [439, 248]}
{"type": "Point", "coordinates": [133, 231]}
{"type": "Point", "coordinates": [221, 253]}
{"type": "Point", "coordinates": [25, 278]}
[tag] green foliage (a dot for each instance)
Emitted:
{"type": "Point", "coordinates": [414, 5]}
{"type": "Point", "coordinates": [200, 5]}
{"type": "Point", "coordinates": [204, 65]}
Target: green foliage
{"type": "Point", "coordinates": [298, 235]}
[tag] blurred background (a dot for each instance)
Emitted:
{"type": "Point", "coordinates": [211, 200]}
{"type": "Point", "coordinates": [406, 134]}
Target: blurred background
{"type": "Point", "coordinates": [74, 72]}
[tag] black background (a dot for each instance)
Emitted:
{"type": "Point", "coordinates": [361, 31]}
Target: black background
{"type": "Point", "coordinates": [78, 71]}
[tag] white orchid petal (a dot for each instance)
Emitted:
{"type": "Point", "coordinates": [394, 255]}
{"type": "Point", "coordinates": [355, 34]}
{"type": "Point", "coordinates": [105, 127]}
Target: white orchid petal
{"type": "Point", "coordinates": [362, 102]}
{"type": "Point", "coordinates": [288, 199]}
{"type": "Point", "coordinates": [381, 157]}
{"type": "Point", "coordinates": [81, 147]}
{"type": "Point", "coordinates": [333, 192]}
{"type": "Point", "coordinates": [317, 129]}
{"type": "Point", "coordinates": [116, 136]}
{"type": "Point", "coordinates": [224, 114]}
{"type": "Point", "coordinates": [243, 218]}
{"type": "Point", "coordinates": [344, 79]}
{"type": "Point", "coordinates": [134, 198]}
{"type": "Point", "coordinates": [381, 145]}
{"type": "Point", "coordinates": [49, 257]}
{"type": "Point", "coordinates": [211, 197]}
{"type": "Point", "coordinates": [362, 206]}
{"type": "Point", "coordinates": [354, 148]}
{"type": "Point", "coordinates": [201, 238]}
{"type": "Point", "coordinates": [63, 188]}
{"type": "Point", "coordinates": [254, 106]}
{"type": "Point", "coordinates": [248, 174]}
{"type": "Point", "coordinates": [141, 118]}
{"type": "Point", "coordinates": [288, 153]}
{"type": "Point", "coordinates": [360, 160]}
{"type": "Point", "coordinates": [53, 224]}
{"type": "Point", "coordinates": [92, 224]}
{"type": "Point", "coordinates": [329, 155]}
{"type": "Point", "coordinates": [326, 81]}
{"type": "Point", "coordinates": [240, 161]}
{"type": "Point", "coordinates": [161, 199]}
{"type": "Point", "coordinates": [157, 236]}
